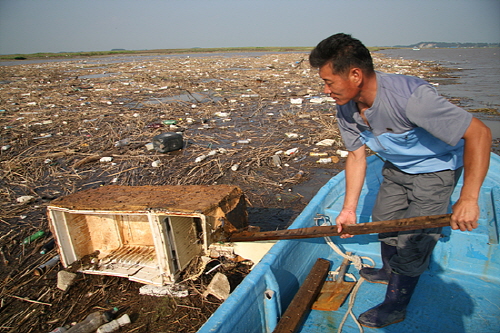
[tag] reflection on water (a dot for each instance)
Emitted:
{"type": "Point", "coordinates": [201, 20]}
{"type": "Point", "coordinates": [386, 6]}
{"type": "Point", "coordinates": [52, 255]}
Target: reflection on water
{"type": "Point", "coordinates": [97, 76]}
{"type": "Point", "coordinates": [478, 73]}
{"type": "Point", "coordinates": [189, 98]}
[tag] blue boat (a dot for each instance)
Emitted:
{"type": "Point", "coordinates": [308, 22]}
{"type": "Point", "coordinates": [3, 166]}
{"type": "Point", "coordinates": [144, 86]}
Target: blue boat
{"type": "Point", "coordinates": [459, 292]}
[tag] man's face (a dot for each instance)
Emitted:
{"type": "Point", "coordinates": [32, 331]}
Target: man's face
{"type": "Point", "coordinates": [342, 88]}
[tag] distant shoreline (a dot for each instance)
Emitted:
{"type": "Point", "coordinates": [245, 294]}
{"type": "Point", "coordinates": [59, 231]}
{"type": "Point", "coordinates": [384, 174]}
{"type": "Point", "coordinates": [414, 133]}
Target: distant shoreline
{"type": "Point", "coordinates": [92, 54]}
{"type": "Point", "coordinates": [64, 55]}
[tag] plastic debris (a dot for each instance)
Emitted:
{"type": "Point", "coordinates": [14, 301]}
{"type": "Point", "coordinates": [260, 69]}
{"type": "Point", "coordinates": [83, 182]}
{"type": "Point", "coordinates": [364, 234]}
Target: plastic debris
{"type": "Point", "coordinates": [35, 236]}
{"type": "Point", "coordinates": [170, 122]}
{"type": "Point", "coordinates": [106, 159]}
{"type": "Point", "coordinates": [342, 153]}
{"type": "Point", "coordinates": [48, 246]}
{"type": "Point", "coordinates": [296, 101]}
{"type": "Point", "coordinates": [122, 143]}
{"type": "Point", "coordinates": [324, 160]}
{"type": "Point", "coordinates": [235, 167]}
{"type": "Point", "coordinates": [265, 121]}
{"type": "Point", "coordinates": [317, 100]}
{"type": "Point", "coordinates": [166, 142]}
{"type": "Point", "coordinates": [318, 154]}
{"type": "Point", "coordinates": [114, 325]}
{"type": "Point", "coordinates": [200, 158]}
{"type": "Point", "coordinates": [326, 142]}
{"type": "Point", "coordinates": [44, 267]}
{"type": "Point", "coordinates": [276, 161]}
{"type": "Point", "coordinates": [175, 290]}
{"type": "Point", "coordinates": [46, 136]}
{"type": "Point", "coordinates": [218, 287]}
{"type": "Point", "coordinates": [93, 321]}
{"type": "Point", "coordinates": [25, 198]}
{"type": "Point", "coordinates": [327, 160]}
{"type": "Point", "coordinates": [156, 164]}
{"type": "Point", "coordinates": [291, 151]}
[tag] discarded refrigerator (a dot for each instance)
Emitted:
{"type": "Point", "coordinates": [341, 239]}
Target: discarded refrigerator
{"type": "Point", "coordinates": [148, 234]}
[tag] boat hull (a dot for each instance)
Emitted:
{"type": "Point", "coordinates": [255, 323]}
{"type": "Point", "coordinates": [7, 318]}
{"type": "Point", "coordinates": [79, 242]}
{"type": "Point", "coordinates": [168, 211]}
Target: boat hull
{"type": "Point", "coordinates": [459, 292]}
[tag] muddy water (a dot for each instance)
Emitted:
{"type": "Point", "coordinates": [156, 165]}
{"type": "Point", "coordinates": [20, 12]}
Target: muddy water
{"type": "Point", "coordinates": [475, 80]}
{"type": "Point", "coordinates": [494, 125]}
{"type": "Point", "coordinates": [191, 98]}
{"type": "Point", "coordinates": [477, 75]}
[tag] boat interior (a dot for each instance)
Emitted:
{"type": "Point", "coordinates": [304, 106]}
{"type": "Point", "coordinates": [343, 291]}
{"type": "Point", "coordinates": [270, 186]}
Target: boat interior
{"type": "Point", "coordinates": [459, 292]}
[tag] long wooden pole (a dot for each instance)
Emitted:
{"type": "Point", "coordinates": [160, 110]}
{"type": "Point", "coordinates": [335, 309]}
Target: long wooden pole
{"type": "Point", "coordinates": [412, 223]}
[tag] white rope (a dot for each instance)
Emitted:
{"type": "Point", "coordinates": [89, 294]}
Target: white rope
{"type": "Point", "coordinates": [352, 298]}
{"type": "Point", "coordinates": [357, 261]}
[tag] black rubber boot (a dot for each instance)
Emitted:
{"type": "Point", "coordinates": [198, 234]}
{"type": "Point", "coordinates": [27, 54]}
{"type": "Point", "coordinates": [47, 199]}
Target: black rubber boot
{"type": "Point", "coordinates": [383, 274]}
{"type": "Point", "coordinates": [393, 309]}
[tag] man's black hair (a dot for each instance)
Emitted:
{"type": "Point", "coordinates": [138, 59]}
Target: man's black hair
{"type": "Point", "coordinates": [343, 52]}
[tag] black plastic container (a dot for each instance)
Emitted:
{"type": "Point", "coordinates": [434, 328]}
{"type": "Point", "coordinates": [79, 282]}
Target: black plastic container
{"type": "Point", "coordinates": [166, 142]}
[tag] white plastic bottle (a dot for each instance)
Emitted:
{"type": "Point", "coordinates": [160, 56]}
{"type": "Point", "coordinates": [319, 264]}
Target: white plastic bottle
{"type": "Point", "coordinates": [93, 322]}
{"type": "Point", "coordinates": [114, 324]}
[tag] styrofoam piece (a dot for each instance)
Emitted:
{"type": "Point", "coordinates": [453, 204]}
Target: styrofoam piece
{"type": "Point", "coordinates": [168, 290]}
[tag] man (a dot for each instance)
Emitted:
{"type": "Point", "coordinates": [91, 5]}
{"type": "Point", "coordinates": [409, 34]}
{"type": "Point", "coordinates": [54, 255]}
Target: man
{"type": "Point", "coordinates": [426, 142]}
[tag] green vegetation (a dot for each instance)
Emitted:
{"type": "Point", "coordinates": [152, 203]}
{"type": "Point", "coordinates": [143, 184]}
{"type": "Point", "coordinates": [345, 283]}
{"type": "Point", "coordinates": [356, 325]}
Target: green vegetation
{"type": "Point", "coordinates": [154, 52]}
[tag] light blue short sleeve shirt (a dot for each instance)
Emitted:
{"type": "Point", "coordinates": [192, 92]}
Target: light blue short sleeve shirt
{"type": "Point", "coordinates": [410, 125]}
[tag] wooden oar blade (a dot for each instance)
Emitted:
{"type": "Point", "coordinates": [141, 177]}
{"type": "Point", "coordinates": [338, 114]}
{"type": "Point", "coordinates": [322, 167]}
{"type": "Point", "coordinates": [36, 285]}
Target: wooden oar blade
{"type": "Point", "coordinates": [333, 295]}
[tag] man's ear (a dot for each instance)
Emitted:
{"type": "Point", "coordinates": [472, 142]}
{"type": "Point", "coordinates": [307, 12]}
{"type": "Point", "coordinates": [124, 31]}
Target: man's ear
{"type": "Point", "coordinates": [356, 75]}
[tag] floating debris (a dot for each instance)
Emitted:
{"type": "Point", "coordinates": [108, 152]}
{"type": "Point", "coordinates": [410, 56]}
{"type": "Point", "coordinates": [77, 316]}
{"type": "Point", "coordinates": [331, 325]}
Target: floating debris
{"type": "Point", "coordinates": [25, 198]}
{"type": "Point", "coordinates": [72, 113]}
{"type": "Point", "coordinates": [342, 153]}
{"type": "Point", "coordinates": [326, 142]}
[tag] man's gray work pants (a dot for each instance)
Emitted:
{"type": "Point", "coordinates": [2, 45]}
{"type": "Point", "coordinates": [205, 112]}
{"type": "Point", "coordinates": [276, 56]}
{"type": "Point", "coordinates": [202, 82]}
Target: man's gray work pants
{"type": "Point", "coordinates": [404, 195]}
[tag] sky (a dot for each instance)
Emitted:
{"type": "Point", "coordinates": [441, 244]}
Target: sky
{"type": "Point", "coordinates": [31, 26]}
